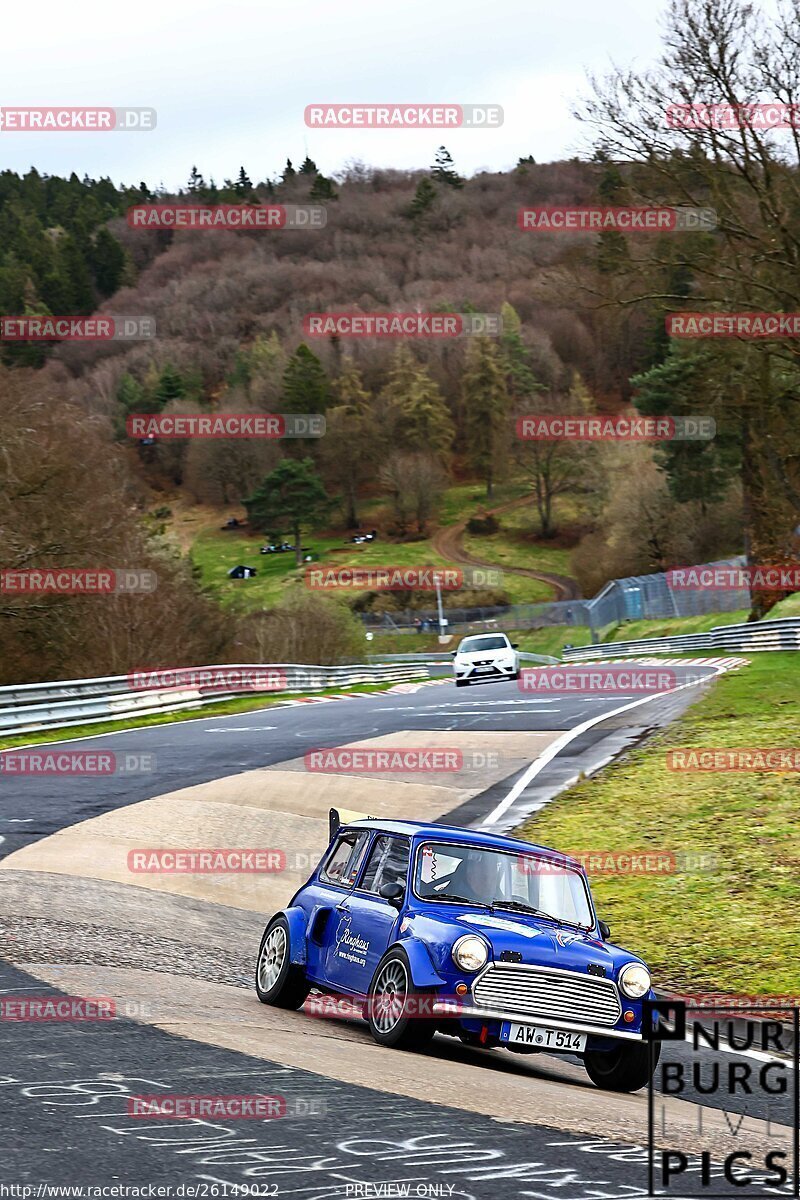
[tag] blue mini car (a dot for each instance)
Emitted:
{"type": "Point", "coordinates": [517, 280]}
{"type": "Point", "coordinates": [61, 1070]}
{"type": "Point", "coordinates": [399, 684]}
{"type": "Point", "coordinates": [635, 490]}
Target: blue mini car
{"type": "Point", "coordinates": [435, 928]}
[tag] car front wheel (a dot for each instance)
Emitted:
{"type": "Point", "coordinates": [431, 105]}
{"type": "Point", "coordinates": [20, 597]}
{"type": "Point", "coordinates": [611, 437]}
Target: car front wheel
{"type": "Point", "coordinates": [391, 1014]}
{"type": "Point", "coordinates": [278, 981]}
{"type": "Point", "coordinates": [462, 683]}
{"type": "Point", "coordinates": [623, 1070]}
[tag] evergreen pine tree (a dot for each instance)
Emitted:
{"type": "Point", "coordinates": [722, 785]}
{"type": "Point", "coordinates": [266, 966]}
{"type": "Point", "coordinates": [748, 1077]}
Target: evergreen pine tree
{"type": "Point", "coordinates": [486, 409]}
{"type": "Point", "coordinates": [169, 386]}
{"type": "Point", "coordinates": [292, 496]}
{"type": "Point", "coordinates": [443, 171]}
{"type": "Point", "coordinates": [73, 268]}
{"type": "Point", "coordinates": [108, 262]}
{"type": "Point", "coordinates": [422, 420]}
{"type": "Point", "coordinates": [521, 381]}
{"type": "Point", "coordinates": [305, 384]}
{"type": "Point", "coordinates": [424, 199]}
{"type": "Point", "coordinates": [243, 186]}
{"type": "Point", "coordinates": [322, 189]}
{"type": "Point", "coordinates": [196, 183]}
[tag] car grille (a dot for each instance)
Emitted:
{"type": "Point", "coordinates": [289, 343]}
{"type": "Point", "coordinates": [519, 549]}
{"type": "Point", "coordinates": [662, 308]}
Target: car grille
{"type": "Point", "coordinates": [542, 993]}
{"type": "Point", "coordinates": [483, 662]}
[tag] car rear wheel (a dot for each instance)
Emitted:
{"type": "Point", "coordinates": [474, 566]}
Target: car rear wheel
{"type": "Point", "coordinates": [623, 1070]}
{"type": "Point", "coordinates": [278, 981]}
{"type": "Point", "coordinates": [390, 1015]}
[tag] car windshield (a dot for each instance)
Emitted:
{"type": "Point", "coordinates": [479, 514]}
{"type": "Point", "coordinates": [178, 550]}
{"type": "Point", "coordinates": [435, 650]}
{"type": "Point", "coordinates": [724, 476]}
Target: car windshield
{"type": "Point", "coordinates": [501, 880]}
{"type": "Point", "coordinates": [471, 644]}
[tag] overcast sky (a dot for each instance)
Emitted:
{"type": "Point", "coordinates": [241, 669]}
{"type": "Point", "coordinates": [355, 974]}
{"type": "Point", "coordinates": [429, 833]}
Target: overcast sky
{"type": "Point", "coordinates": [230, 81]}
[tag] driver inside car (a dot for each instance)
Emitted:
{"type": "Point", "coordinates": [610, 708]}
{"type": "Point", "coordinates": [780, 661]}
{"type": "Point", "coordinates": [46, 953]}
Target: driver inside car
{"type": "Point", "coordinates": [475, 878]}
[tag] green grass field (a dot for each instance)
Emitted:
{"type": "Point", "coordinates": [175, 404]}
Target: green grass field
{"type": "Point", "coordinates": [215, 551]}
{"type": "Point", "coordinates": [735, 928]}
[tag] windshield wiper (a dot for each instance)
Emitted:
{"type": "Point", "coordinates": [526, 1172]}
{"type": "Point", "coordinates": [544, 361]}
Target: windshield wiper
{"type": "Point", "coordinates": [458, 899]}
{"type": "Point", "coordinates": [518, 906]}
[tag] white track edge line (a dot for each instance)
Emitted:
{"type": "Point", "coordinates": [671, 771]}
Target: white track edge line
{"type": "Point", "coordinates": [558, 745]}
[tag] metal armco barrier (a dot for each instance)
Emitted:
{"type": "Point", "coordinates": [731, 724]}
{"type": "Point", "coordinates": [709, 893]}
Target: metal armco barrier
{"type": "Point", "coordinates": [781, 634]}
{"type": "Point", "coordinates": [440, 659]}
{"type": "Point", "coordinates": [31, 707]}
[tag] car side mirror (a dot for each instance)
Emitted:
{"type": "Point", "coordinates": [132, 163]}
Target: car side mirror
{"type": "Point", "coordinates": [394, 893]}
{"type": "Point", "coordinates": [515, 645]}
{"type": "Point", "coordinates": [605, 932]}
{"type": "Point", "coordinates": [453, 653]}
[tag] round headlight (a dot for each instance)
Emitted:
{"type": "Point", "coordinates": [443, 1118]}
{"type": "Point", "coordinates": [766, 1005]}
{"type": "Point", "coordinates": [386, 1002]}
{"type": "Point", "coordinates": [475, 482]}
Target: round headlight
{"type": "Point", "coordinates": [470, 953]}
{"type": "Point", "coordinates": [634, 981]}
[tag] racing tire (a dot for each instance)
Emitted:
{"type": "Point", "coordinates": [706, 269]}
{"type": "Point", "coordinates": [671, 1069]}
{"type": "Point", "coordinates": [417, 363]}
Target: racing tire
{"type": "Point", "coordinates": [623, 1070]}
{"type": "Point", "coordinates": [389, 1020]}
{"type": "Point", "coordinates": [462, 683]}
{"type": "Point", "coordinates": [278, 981]}
{"type": "Point", "coordinates": [515, 675]}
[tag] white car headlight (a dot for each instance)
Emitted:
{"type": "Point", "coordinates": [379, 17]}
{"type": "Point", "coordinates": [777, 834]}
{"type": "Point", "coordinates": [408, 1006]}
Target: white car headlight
{"type": "Point", "coordinates": [470, 953]}
{"type": "Point", "coordinates": [634, 981]}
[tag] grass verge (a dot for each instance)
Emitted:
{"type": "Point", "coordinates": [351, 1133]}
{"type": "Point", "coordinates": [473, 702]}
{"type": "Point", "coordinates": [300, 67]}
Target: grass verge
{"type": "Point", "coordinates": [735, 928]}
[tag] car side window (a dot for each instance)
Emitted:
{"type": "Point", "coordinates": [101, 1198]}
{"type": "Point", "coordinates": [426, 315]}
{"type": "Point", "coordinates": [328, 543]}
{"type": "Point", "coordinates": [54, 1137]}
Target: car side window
{"type": "Point", "coordinates": [387, 863]}
{"type": "Point", "coordinates": [341, 865]}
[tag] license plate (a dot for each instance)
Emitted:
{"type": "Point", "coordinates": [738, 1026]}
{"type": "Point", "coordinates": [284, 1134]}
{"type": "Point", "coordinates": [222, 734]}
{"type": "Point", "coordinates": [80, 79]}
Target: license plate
{"type": "Point", "coordinates": [543, 1039]}
{"type": "Point", "coordinates": [483, 670]}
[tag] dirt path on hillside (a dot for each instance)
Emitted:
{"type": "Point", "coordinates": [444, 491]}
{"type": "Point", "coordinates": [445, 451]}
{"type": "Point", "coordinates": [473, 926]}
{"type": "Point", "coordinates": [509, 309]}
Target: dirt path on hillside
{"type": "Point", "coordinates": [448, 542]}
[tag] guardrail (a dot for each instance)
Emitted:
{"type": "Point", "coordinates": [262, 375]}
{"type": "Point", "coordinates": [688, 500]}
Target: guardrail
{"type": "Point", "coordinates": [780, 634]}
{"type": "Point", "coordinates": [32, 707]}
{"type": "Point", "coordinates": [447, 657]}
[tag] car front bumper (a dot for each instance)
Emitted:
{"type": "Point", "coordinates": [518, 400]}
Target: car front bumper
{"type": "Point", "coordinates": [454, 1011]}
{"type": "Point", "coordinates": [471, 671]}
